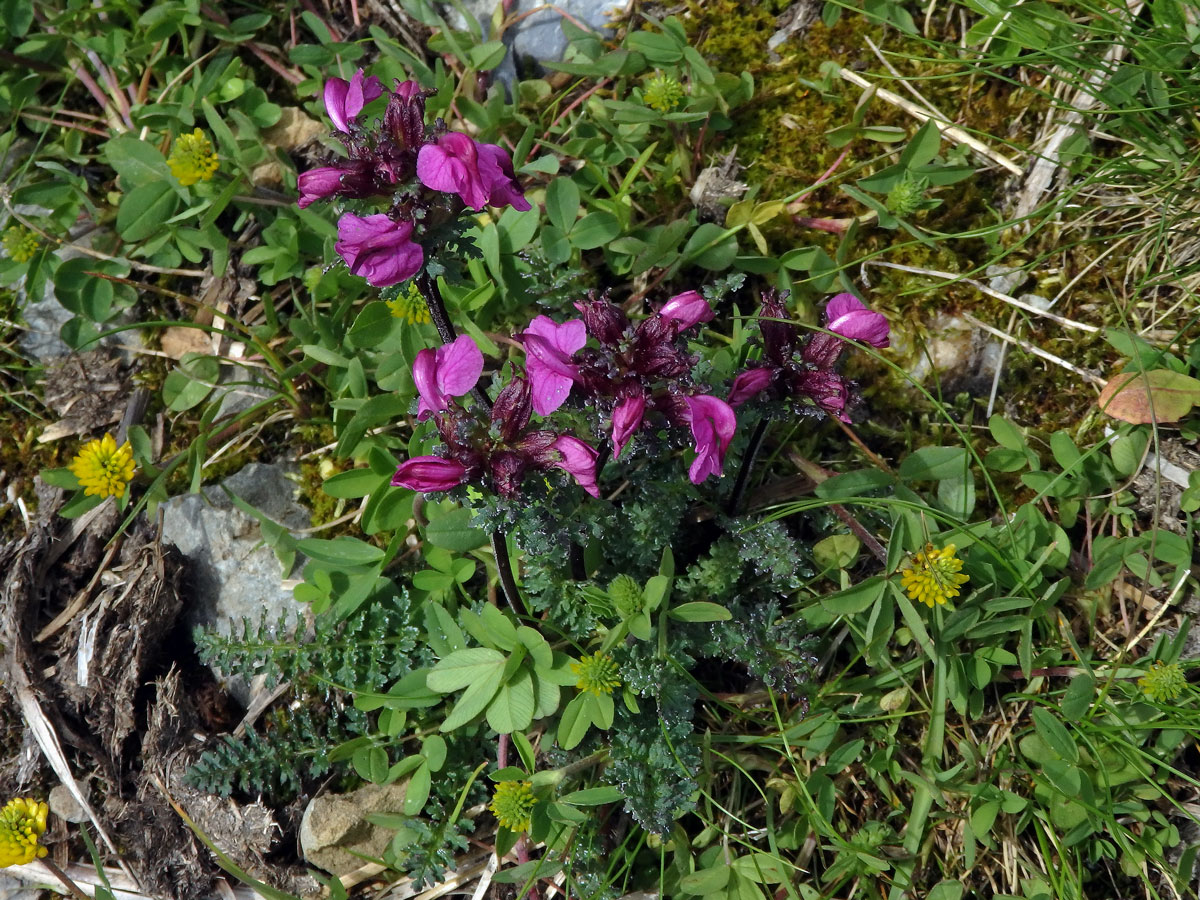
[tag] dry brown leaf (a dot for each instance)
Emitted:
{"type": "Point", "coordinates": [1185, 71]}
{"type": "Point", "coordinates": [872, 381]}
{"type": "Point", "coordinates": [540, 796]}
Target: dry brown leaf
{"type": "Point", "coordinates": [1141, 398]}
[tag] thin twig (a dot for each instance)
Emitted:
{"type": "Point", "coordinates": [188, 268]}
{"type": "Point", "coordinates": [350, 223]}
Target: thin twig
{"type": "Point", "coordinates": [1037, 351]}
{"type": "Point", "coordinates": [63, 877]}
{"type": "Point", "coordinates": [983, 288]}
{"type": "Point", "coordinates": [952, 132]}
{"type": "Point", "coordinates": [748, 460]}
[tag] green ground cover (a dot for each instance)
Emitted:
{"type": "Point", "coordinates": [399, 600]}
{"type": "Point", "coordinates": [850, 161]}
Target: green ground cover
{"type": "Point", "coordinates": [924, 632]}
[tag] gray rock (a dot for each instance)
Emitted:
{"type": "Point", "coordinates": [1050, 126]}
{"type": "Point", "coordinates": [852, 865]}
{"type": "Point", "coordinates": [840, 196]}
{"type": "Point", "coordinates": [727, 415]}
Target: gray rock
{"type": "Point", "coordinates": [15, 889]}
{"type": "Point", "coordinates": [539, 35]}
{"type": "Point", "coordinates": [334, 827]}
{"type": "Point", "coordinates": [44, 316]}
{"type": "Point", "coordinates": [64, 805]}
{"type": "Point", "coordinates": [234, 575]}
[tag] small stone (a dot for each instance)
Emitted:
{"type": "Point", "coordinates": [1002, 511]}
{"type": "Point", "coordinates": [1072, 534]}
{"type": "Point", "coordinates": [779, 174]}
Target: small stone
{"type": "Point", "coordinates": [233, 574]}
{"type": "Point", "coordinates": [64, 805]}
{"type": "Point", "coordinates": [336, 824]}
{"type": "Point", "coordinates": [293, 130]}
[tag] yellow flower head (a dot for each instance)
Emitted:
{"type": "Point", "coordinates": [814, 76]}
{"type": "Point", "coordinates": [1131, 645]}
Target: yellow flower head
{"type": "Point", "coordinates": [513, 805]}
{"type": "Point", "coordinates": [192, 158]}
{"type": "Point", "coordinates": [932, 576]}
{"type": "Point", "coordinates": [1164, 681]}
{"type": "Point", "coordinates": [662, 93]}
{"type": "Point", "coordinates": [597, 674]}
{"type": "Point", "coordinates": [22, 822]}
{"type": "Point", "coordinates": [20, 243]}
{"type": "Point", "coordinates": [409, 306]}
{"type": "Point", "coordinates": [103, 468]}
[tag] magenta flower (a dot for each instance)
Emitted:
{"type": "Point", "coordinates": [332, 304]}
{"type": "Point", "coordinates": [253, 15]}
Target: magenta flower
{"type": "Point", "coordinates": [749, 384]}
{"type": "Point", "coordinates": [379, 248]}
{"type": "Point", "coordinates": [578, 460]}
{"type": "Point", "coordinates": [345, 99]}
{"type": "Point", "coordinates": [429, 473]}
{"type": "Point", "coordinates": [481, 174]}
{"type": "Point", "coordinates": [848, 317]}
{"type": "Point", "coordinates": [626, 420]}
{"type": "Point", "coordinates": [443, 374]}
{"type": "Point", "coordinates": [549, 348]}
{"type": "Point", "coordinates": [319, 184]}
{"type": "Point", "coordinates": [687, 309]}
{"type": "Point", "coordinates": [800, 368]}
{"type": "Point", "coordinates": [713, 424]}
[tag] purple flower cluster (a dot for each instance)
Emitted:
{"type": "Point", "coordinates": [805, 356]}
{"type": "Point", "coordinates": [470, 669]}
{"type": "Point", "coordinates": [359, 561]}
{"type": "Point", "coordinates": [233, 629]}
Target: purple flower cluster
{"type": "Point", "coordinates": [636, 376]}
{"type": "Point", "coordinates": [416, 168]}
{"type": "Point", "coordinates": [504, 450]}
{"type": "Point", "coordinates": [800, 368]}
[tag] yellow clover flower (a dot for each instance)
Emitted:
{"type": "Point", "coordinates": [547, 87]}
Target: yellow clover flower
{"type": "Point", "coordinates": [513, 804]}
{"type": "Point", "coordinates": [1164, 681]}
{"type": "Point", "coordinates": [192, 158]}
{"type": "Point", "coordinates": [22, 822]}
{"type": "Point", "coordinates": [20, 243]}
{"type": "Point", "coordinates": [103, 468]}
{"type": "Point", "coordinates": [409, 306]}
{"type": "Point", "coordinates": [597, 674]}
{"type": "Point", "coordinates": [932, 576]}
{"type": "Point", "coordinates": [662, 93]}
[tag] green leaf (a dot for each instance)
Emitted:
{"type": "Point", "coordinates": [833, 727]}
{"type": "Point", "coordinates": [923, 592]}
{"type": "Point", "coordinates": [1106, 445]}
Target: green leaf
{"type": "Point", "coordinates": [473, 701]}
{"type": "Point", "coordinates": [512, 708]}
{"type": "Point", "coordinates": [417, 791]}
{"type": "Point", "coordinates": [934, 463]}
{"type": "Point", "coordinates": [373, 326]}
{"type": "Point", "coordinates": [1055, 734]}
{"type": "Point", "coordinates": [145, 209]}
{"type": "Point", "coordinates": [705, 882]}
{"type": "Point", "coordinates": [594, 230]}
{"type": "Point", "coordinates": [923, 147]}
{"type": "Point", "coordinates": [136, 162]}
{"type": "Point", "coordinates": [462, 667]}
{"type": "Point", "coordinates": [574, 723]}
{"type": "Point", "coordinates": [453, 531]}
{"type": "Point", "coordinates": [342, 551]}
{"type": "Point", "coordinates": [562, 203]}
{"type": "Point", "coordinates": [719, 255]}
{"type": "Point", "coordinates": [191, 382]}
{"type": "Point", "coordinates": [700, 611]}
{"type": "Point", "coordinates": [17, 16]}
{"type": "Point", "coordinates": [852, 484]}
{"type": "Point", "coordinates": [856, 599]}
{"type": "Point", "coordinates": [946, 890]}
{"type": "Point", "coordinates": [485, 57]}
{"type": "Point", "coordinates": [596, 796]}
{"type": "Point", "coordinates": [762, 868]}
{"type": "Point", "coordinates": [1077, 699]}
{"type": "Point", "coordinates": [351, 485]}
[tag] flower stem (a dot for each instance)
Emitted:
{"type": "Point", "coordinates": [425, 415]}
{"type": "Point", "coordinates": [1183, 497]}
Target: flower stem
{"type": "Point", "coordinates": [748, 459]}
{"type": "Point", "coordinates": [62, 876]}
{"type": "Point", "coordinates": [445, 329]}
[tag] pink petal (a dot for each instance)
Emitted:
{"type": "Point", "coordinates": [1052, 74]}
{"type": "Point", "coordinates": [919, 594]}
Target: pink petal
{"type": "Point", "coordinates": [626, 420]}
{"type": "Point", "coordinates": [459, 366]}
{"type": "Point", "coordinates": [429, 473]}
{"type": "Point", "coordinates": [749, 384]}
{"type": "Point", "coordinates": [848, 317]}
{"type": "Point", "coordinates": [686, 309]}
{"type": "Point", "coordinates": [424, 373]}
{"type": "Point", "coordinates": [578, 459]}
{"type": "Point", "coordinates": [335, 102]}
{"type": "Point", "coordinates": [713, 425]}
